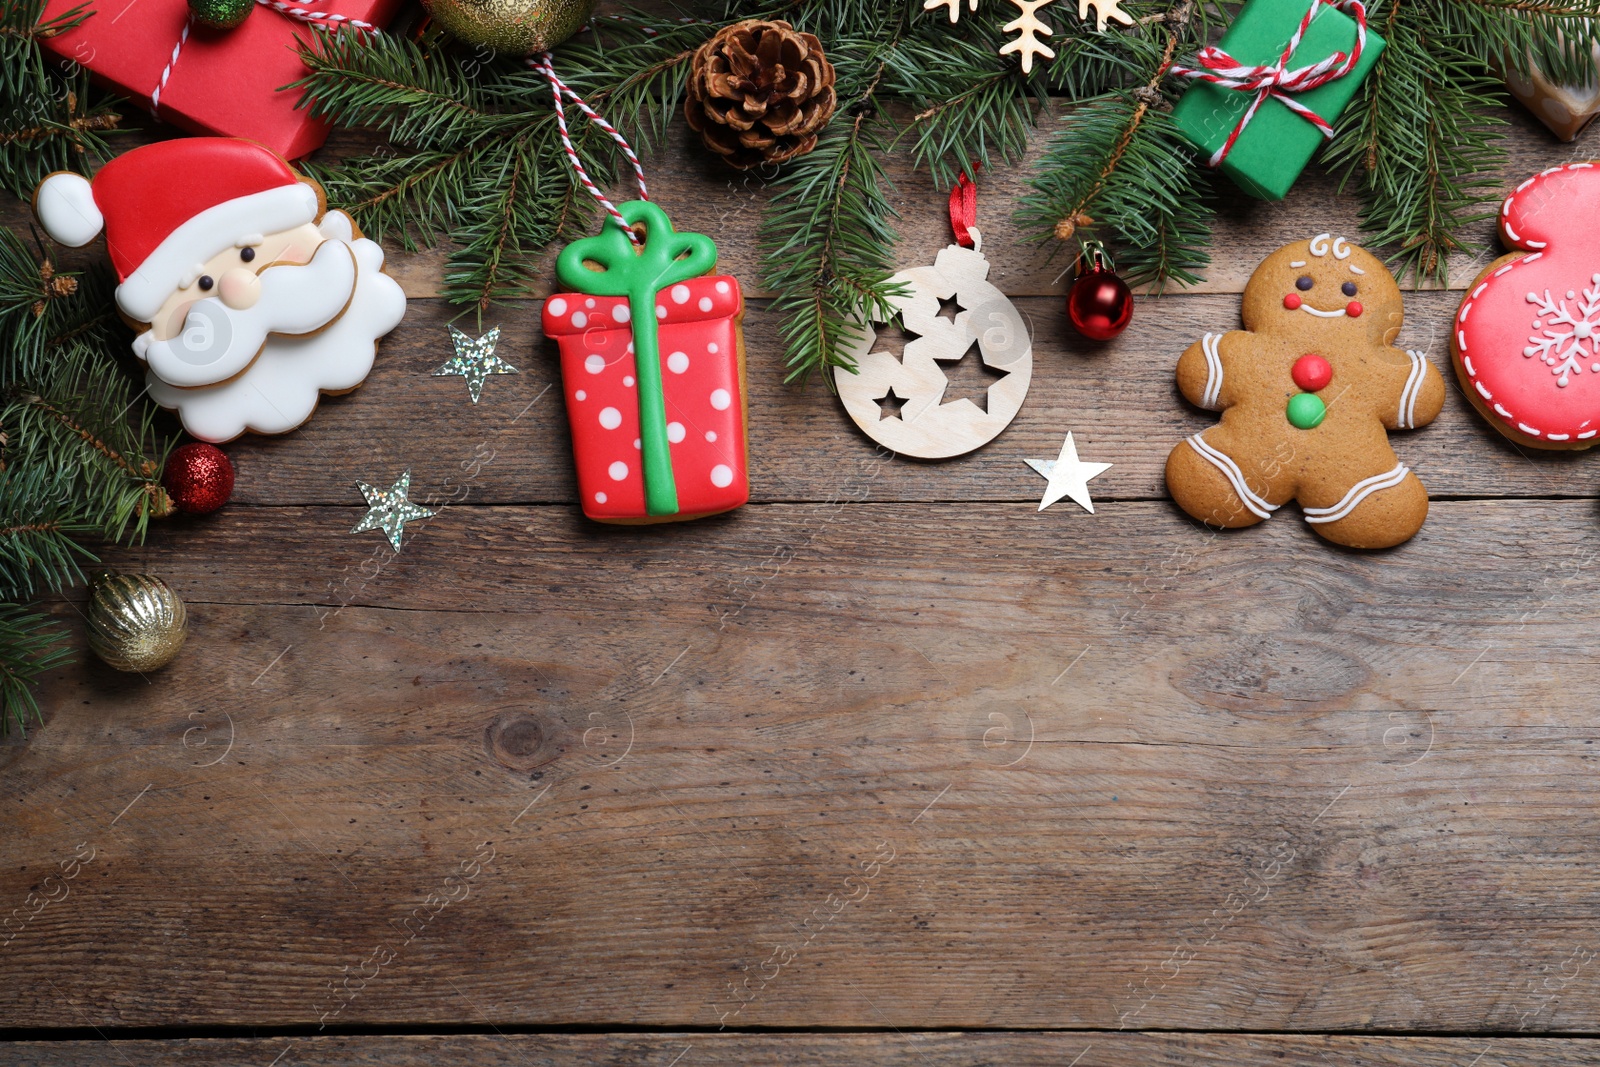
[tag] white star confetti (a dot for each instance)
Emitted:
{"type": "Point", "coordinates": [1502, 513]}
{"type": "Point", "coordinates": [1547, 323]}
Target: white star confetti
{"type": "Point", "coordinates": [1067, 475]}
{"type": "Point", "coordinates": [474, 360]}
{"type": "Point", "coordinates": [390, 509]}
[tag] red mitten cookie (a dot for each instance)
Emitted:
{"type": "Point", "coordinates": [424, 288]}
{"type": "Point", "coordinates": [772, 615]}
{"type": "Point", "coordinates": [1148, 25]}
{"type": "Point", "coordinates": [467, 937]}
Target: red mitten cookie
{"type": "Point", "coordinates": [1527, 337]}
{"type": "Point", "coordinates": [1308, 390]}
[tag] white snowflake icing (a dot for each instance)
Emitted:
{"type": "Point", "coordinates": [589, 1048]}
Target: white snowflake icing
{"type": "Point", "coordinates": [1560, 334]}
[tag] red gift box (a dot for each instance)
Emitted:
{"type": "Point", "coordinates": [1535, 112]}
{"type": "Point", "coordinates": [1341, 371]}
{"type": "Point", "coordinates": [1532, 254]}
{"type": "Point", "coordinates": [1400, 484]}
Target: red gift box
{"type": "Point", "coordinates": [702, 372]}
{"type": "Point", "coordinates": [227, 82]}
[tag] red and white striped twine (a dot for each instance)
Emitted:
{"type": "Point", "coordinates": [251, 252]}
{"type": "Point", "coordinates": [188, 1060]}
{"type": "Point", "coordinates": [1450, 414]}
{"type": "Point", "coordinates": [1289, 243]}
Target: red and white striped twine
{"type": "Point", "coordinates": [558, 89]}
{"type": "Point", "coordinates": [1274, 80]}
{"type": "Point", "coordinates": [286, 7]}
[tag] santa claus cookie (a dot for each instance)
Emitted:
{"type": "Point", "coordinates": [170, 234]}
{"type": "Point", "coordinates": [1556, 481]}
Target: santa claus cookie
{"type": "Point", "coordinates": [251, 300]}
{"type": "Point", "coordinates": [1308, 391]}
{"type": "Point", "coordinates": [1527, 337]}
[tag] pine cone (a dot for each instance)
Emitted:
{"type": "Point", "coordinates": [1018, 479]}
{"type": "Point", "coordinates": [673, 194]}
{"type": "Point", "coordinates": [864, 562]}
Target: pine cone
{"type": "Point", "coordinates": [759, 92]}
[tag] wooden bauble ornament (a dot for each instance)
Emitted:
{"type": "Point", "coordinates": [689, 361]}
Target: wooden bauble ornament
{"type": "Point", "coordinates": [136, 622]}
{"type": "Point", "coordinates": [986, 325]}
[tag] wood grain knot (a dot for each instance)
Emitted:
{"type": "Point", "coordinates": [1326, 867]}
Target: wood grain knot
{"type": "Point", "coordinates": [515, 739]}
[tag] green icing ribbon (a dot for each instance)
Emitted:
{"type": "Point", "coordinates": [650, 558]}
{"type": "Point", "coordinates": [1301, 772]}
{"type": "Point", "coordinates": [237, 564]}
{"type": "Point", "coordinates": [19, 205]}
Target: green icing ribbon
{"type": "Point", "coordinates": [638, 272]}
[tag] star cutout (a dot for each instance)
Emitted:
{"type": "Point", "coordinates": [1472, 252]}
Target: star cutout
{"type": "Point", "coordinates": [1104, 9]}
{"type": "Point", "coordinates": [390, 509]}
{"type": "Point", "coordinates": [474, 360]}
{"type": "Point", "coordinates": [1068, 476]}
{"type": "Point", "coordinates": [889, 406]}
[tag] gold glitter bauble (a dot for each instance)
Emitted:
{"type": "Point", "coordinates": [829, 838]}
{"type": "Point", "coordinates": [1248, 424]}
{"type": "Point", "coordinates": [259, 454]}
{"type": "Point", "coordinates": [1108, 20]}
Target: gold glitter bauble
{"type": "Point", "coordinates": [512, 27]}
{"type": "Point", "coordinates": [136, 622]}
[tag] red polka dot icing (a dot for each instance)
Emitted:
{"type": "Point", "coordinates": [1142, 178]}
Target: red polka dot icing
{"type": "Point", "coordinates": [699, 343]}
{"type": "Point", "coordinates": [1527, 335]}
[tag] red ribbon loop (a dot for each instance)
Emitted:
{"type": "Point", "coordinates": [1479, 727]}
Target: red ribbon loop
{"type": "Point", "coordinates": [1275, 80]}
{"type": "Point", "coordinates": [963, 209]}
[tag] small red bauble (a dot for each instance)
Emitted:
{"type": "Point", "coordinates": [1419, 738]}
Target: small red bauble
{"type": "Point", "coordinates": [1292, 301]}
{"type": "Point", "coordinates": [1311, 373]}
{"type": "Point", "coordinates": [1353, 309]}
{"type": "Point", "coordinates": [1100, 305]}
{"type": "Point", "coordinates": [198, 478]}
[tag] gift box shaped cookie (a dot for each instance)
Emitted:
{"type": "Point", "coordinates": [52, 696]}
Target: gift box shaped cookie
{"type": "Point", "coordinates": [1260, 114]}
{"type": "Point", "coordinates": [652, 363]}
{"type": "Point", "coordinates": [228, 82]}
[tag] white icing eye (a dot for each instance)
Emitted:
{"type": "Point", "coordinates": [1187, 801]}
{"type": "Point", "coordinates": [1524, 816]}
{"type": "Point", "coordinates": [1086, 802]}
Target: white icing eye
{"type": "Point", "coordinates": [675, 432]}
{"type": "Point", "coordinates": [558, 306]}
{"type": "Point", "coordinates": [618, 471]}
{"type": "Point", "coordinates": [680, 294]}
{"type": "Point", "coordinates": [720, 399]}
{"type": "Point", "coordinates": [610, 418]}
{"type": "Point", "coordinates": [722, 476]}
{"type": "Point", "coordinates": [678, 362]}
{"type": "Point", "coordinates": [594, 363]}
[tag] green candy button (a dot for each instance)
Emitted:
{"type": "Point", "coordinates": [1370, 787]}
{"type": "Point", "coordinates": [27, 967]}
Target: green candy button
{"type": "Point", "coordinates": [1306, 411]}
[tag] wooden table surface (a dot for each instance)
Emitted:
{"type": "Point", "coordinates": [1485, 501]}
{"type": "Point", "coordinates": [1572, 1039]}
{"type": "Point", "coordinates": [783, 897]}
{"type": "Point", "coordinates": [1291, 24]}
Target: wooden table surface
{"type": "Point", "coordinates": [885, 767]}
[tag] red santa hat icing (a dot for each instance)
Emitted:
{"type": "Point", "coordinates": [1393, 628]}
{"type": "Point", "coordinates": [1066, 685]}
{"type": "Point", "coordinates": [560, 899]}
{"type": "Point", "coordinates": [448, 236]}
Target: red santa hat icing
{"type": "Point", "coordinates": [170, 206]}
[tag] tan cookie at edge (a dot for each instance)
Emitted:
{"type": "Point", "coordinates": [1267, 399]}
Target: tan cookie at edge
{"type": "Point", "coordinates": [1318, 298]}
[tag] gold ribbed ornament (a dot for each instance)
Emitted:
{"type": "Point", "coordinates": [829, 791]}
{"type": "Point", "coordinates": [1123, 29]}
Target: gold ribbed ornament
{"type": "Point", "coordinates": [511, 27]}
{"type": "Point", "coordinates": [136, 621]}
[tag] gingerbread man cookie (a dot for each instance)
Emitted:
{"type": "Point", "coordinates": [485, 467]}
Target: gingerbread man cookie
{"type": "Point", "coordinates": [1308, 391]}
{"type": "Point", "coordinates": [1526, 341]}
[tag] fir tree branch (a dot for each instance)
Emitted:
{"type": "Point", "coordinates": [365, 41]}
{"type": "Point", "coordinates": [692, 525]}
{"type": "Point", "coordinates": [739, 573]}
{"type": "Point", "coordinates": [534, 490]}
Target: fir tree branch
{"type": "Point", "coordinates": [30, 645]}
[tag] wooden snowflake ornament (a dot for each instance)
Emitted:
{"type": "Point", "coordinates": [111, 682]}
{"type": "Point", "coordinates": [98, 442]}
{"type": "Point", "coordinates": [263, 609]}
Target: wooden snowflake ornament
{"type": "Point", "coordinates": [953, 5]}
{"type": "Point", "coordinates": [1103, 10]}
{"type": "Point", "coordinates": [1031, 34]}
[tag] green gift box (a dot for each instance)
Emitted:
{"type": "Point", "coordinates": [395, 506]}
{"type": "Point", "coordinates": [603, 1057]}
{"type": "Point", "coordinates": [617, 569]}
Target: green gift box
{"type": "Point", "coordinates": [1275, 146]}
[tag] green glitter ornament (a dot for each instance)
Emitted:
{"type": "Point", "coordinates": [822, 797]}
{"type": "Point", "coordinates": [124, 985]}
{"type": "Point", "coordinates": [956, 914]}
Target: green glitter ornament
{"type": "Point", "coordinates": [220, 14]}
{"type": "Point", "coordinates": [1306, 411]}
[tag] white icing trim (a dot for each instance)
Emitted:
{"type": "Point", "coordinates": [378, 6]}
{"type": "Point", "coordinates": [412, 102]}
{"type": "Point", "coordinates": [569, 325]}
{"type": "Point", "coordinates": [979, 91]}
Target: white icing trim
{"type": "Point", "coordinates": [1536, 244]}
{"type": "Point", "coordinates": [1297, 263]}
{"type": "Point", "coordinates": [1407, 419]}
{"type": "Point", "coordinates": [1356, 270]}
{"type": "Point", "coordinates": [65, 205]}
{"type": "Point", "coordinates": [1358, 493]}
{"type": "Point", "coordinates": [1230, 470]}
{"type": "Point", "coordinates": [1556, 436]}
{"type": "Point", "coordinates": [1322, 239]}
{"type": "Point", "coordinates": [1489, 396]}
{"type": "Point", "coordinates": [1587, 434]}
{"type": "Point", "coordinates": [1502, 412]}
{"type": "Point", "coordinates": [1466, 361]}
{"type": "Point", "coordinates": [1209, 344]}
{"type": "Point", "coordinates": [1529, 430]}
{"type": "Point", "coordinates": [249, 239]}
{"type": "Point", "coordinates": [1321, 314]}
{"type": "Point", "coordinates": [1509, 231]}
{"type": "Point", "coordinates": [1341, 248]}
{"type": "Point", "coordinates": [207, 233]}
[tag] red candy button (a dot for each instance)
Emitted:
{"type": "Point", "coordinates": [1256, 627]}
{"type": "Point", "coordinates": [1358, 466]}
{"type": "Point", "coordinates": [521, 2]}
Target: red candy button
{"type": "Point", "coordinates": [1311, 373]}
{"type": "Point", "coordinates": [1292, 301]}
{"type": "Point", "coordinates": [1353, 309]}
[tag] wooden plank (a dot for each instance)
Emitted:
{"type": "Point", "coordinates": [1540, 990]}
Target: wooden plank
{"type": "Point", "coordinates": [928, 1049]}
{"type": "Point", "coordinates": [919, 766]}
{"type": "Point", "coordinates": [1119, 400]}
{"type": "Point", "coordinates": [704, 196]}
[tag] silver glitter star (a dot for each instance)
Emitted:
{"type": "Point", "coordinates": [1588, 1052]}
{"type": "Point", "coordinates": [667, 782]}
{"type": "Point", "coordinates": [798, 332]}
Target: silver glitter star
{"type": "Point", "coordinates": [390, 509]}
{"type": "Point", "coordinates": [474, 360]}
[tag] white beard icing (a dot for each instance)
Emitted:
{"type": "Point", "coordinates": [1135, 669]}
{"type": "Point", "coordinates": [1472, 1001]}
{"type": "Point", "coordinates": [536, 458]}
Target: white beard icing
{"type": "Point", "coordinates": [280, 389]}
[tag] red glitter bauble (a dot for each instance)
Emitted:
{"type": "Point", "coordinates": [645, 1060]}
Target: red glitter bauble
{"type": "Point", "coordinates": [198, 478]}
{"type": "Point", "coordinates": [1100, 305]}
